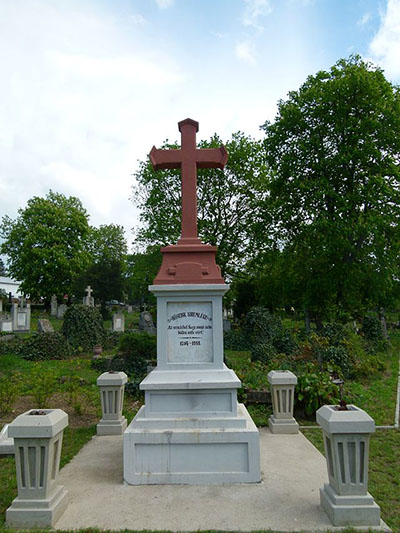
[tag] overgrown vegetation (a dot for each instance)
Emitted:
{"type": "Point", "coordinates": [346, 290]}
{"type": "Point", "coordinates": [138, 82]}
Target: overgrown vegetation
{"type": "Point", "coordinates": [83, 327]}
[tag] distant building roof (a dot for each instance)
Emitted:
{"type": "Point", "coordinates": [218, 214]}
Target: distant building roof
{"type": "Point", "coordinates": [10, 285]}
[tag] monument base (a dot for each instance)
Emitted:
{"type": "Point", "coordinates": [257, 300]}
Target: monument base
{"type": "Point", "coordinates": [37, 513]}
{"type": "Point", "coordinates": [193, 451]}
{"type": "Point", "coordinates": [111, 427]}
{"type": "Point", "coordinates": [283, 426]}
{"type": "Point", "coordinates": [349, 510]}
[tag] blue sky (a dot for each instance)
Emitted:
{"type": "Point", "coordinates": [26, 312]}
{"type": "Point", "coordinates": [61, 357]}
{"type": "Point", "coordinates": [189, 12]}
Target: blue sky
{"type": "Point", "coordinates": [88, 86]}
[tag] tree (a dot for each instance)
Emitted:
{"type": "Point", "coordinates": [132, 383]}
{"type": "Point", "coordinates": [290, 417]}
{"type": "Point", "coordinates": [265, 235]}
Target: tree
{"type": "Point", "coordinates": [105, 273]}
{"type": "Point", "coordinates": [226, 201]}
{"type": "Point", "coordinates": [334, 149]}
{"type": "Point", "coordinates": [142, 268]}
{"type": "Point", "coordinates": [45, 244]}
{"type": "Point", "coordinates": [2, 268]}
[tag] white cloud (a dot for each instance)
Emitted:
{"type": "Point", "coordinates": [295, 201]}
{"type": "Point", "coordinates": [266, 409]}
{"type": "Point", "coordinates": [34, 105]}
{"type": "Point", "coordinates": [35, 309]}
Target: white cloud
{"type": "Point", "coordinates": [165, 4]}
{"type": "Point", "coordinates": [385, 46]}
{"type": "Point", "coordinates": [364, 19]}
{"type": "Point", "coordinates": [138, 19]}
{"type": "Point", "coordinates": [254, 10]}
{"type": "Point", "coordinates": [245, 52]}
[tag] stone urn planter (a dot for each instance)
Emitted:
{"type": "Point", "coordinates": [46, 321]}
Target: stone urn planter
{"type": "Point", "coordinates": [38, 438]}
{"type": "Point", "coordinates": [346, 432]}
{"type": "Point", "coordinates": [112, 385]}
{"type": "Point", "coordinates": [282, 384]}
{"type": "Point", "coordinates": [97, 350]}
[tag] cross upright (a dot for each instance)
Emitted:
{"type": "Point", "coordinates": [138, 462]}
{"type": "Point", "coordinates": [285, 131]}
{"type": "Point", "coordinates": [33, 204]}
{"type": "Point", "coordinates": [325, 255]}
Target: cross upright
{"type": "Point", "coordinates": [189, 158]}
{"type": "Point", "coordinates": [89, 291]}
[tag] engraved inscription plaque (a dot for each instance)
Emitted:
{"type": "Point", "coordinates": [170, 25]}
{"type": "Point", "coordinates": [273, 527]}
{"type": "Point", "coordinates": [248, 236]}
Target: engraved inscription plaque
{"type": "Point", "coordinates": [189, 332]}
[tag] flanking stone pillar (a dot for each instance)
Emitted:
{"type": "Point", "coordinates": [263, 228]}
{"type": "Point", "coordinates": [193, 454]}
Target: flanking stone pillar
{"type": "Point", "coordinates": [346, 499]}
{"type": "Point", "coordinates": [282, 384]}
{"type": "Point", "coordinates": [112, 386]}
{"type": "Point", "coordinates": [38, 438]}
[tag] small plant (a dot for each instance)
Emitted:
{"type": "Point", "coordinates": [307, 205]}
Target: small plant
{"type": "Point", "coordinates": [315, 388]}
{"type": "Point", "coordinates": [43, 385]}
{"type": "Point", "coordinates": [372, 328]}
{"type": "Point", "coordinates": [10, 389]}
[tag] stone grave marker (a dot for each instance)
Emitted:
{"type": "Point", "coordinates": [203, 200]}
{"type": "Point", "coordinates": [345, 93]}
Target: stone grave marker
{"type": "Point", "coordinates": [61, 310]}
{"type": "Point", "coordinates": [53, 305]}
{"type": "Point", "coordinates": [6, 324]}
{"type": "Point", "coordinates": [118, 322]}
{"type": "Point", "coordinates": [44, 326]}
{"type": "Point", "coordinates": [199, 433]}
{"type": "Point", "coordinates": [21, 315]}
{"type": "Point", "coordinates": [227, 324]}
{"type": "Point", "coordinates": [146, 323]}
{"type": "Point", "coordinates": [88, 299]}
{"type": "Point", "coordinates": [1, 305]}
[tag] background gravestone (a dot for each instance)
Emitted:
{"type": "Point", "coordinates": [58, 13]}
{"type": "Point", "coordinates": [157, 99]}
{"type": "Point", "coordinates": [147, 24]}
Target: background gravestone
{"type": "Point", "coordinates": [88, 299]}
{"type": "Point", "coordinates": [1, 306]}
{"type": "Point", "coordinates": [53, 305]}
{"type": "Point", "coordinates": [118, 322]}
{"type": "Point", "coordinates": [44, 326]}
{"type": "Point", "coordinates": [6, 324]}
{"type": "Point", "coordinates": [227, 324]}
{"type": "Point", "coordinates": [21, 315]}
{"type": "Point", "coordinates": [61, 310]}
{"type": "Point", "coordinates": [146, 323]}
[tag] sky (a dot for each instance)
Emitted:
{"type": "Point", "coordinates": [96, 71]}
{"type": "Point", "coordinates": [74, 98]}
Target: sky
{"type": "Point", "coordinates": [89, 86]}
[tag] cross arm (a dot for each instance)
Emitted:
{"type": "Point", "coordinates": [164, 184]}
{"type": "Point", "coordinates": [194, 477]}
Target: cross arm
{"type": "Point", "coordinates": [165, 158]}
{"type": "Point", "coordinates": [212, 157]}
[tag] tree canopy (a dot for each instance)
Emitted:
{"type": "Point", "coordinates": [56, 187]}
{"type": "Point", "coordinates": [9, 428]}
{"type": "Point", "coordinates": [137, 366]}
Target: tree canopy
{"type": "Point", "coordinates": [45, 244]}
{"type": "Point", "coordinates": [227, 207]}
{"type": "Point", "coordinates": [334, 149]}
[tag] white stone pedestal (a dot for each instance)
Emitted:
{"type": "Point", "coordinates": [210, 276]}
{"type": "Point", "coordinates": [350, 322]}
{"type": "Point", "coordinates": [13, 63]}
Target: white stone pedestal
{"type": "Point", "coordinates": [37, 441]}
{"type": "Point", "coordinates": [346, 499]}
{"type": "Point", "coordinates": [111, 385]}
{"type": "Point", "coordinates": [282, 392]}
{"type": "Point", "coordinates": [191, 429]}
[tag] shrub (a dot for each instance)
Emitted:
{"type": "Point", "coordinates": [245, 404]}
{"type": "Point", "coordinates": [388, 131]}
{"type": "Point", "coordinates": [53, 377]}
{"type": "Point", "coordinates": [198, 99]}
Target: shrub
{"type": "Point", "coordinates": [235, 340]}
{"type": "Point", "coordinates": [315, 388]}
{"type": "Point", "coordinates": [111, 339]}
{"type": "Point", "coordinates": [372, 328]}
{"type": "Point", "coordinates": [334, 332]}
{"type": "Point", "coordinates": [43, 386]}
{"type": "Point", "coordinates": [83, 327]}
{"type": "Point", "coordinates": [135, 351]}
{"type": "Point", "coordinates": [263, 351]}
{"type": "Point", "coordinates": [43, 346]}
{"type": "Point", "coordinates": [11, 344]}
{"type": "Point", "coordinates": [266, 336]}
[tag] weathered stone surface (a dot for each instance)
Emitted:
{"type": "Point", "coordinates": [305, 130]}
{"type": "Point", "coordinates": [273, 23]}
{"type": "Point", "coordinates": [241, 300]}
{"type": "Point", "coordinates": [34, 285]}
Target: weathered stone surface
{"type": "Point", "coordinates": [61, 310]}
{"type": "Point", "coordinates": [146, 323]}
{"type": "Point", "coordinates": [44, 326]}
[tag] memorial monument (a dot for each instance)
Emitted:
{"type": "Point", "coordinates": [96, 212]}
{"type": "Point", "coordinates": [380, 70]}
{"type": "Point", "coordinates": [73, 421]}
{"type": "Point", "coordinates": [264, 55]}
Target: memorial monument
{"type": "Point", "coordinates": [191, 429]}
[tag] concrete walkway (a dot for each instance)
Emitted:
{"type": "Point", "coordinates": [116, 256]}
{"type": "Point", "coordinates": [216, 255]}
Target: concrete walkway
{"type": "Point", "coordinates": [293, 470]}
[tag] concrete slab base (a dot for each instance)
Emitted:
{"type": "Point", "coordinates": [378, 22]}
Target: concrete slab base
{"type": "Point", "coordinates": [350, 510]}
{"type": "Point", "coordinates": [287, 499]}
{"type": "Point", "coordinates": [111, 427]}
{"type": "Point", "coordinates": [37, 513]}
{"type": "Point", "coordinates": [194, 456]}
{"type": "Point", "coordinates": [283, 426]}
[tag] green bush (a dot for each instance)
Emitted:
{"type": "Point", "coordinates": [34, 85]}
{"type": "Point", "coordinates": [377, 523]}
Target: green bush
{"type": "Point", "coordinates": [83, 327]}
{"type": "Point", "coordinates": [235, 340]}
{"type": "Point", "coordinates": [10, 345]}
{"type": "Point", "coordinates": [135, 350]}
{"type": "Point", "coordinates": [111, 339]}
{"type": "Point", "coordinates": [315, 388]}
{"type": "Point", "coordinates": [263, 351]}
{"type": "Point", "coordinates": [44, 346]}
{"type": "Point", "coordinates": [42, 386]}
{"type": "Point", "coordinates": [266, 336]}
{"type": "Point", "coordinates": [372, 328]}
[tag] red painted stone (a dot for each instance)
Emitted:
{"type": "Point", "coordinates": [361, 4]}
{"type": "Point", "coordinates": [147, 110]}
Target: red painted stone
{"type": "Point", "coordinates": [189, 261]}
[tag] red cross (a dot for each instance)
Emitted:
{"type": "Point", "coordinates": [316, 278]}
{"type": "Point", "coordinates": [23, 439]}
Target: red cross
{"type": "Point", "coordinates": [189, 158]}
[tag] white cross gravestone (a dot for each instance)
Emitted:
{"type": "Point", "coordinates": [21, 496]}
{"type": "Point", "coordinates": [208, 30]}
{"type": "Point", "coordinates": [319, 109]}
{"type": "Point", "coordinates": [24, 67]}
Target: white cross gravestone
{"type": "Point", "coordinates": [88, 299]}
{"type": "Point", "coordinates": [191, 429]}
